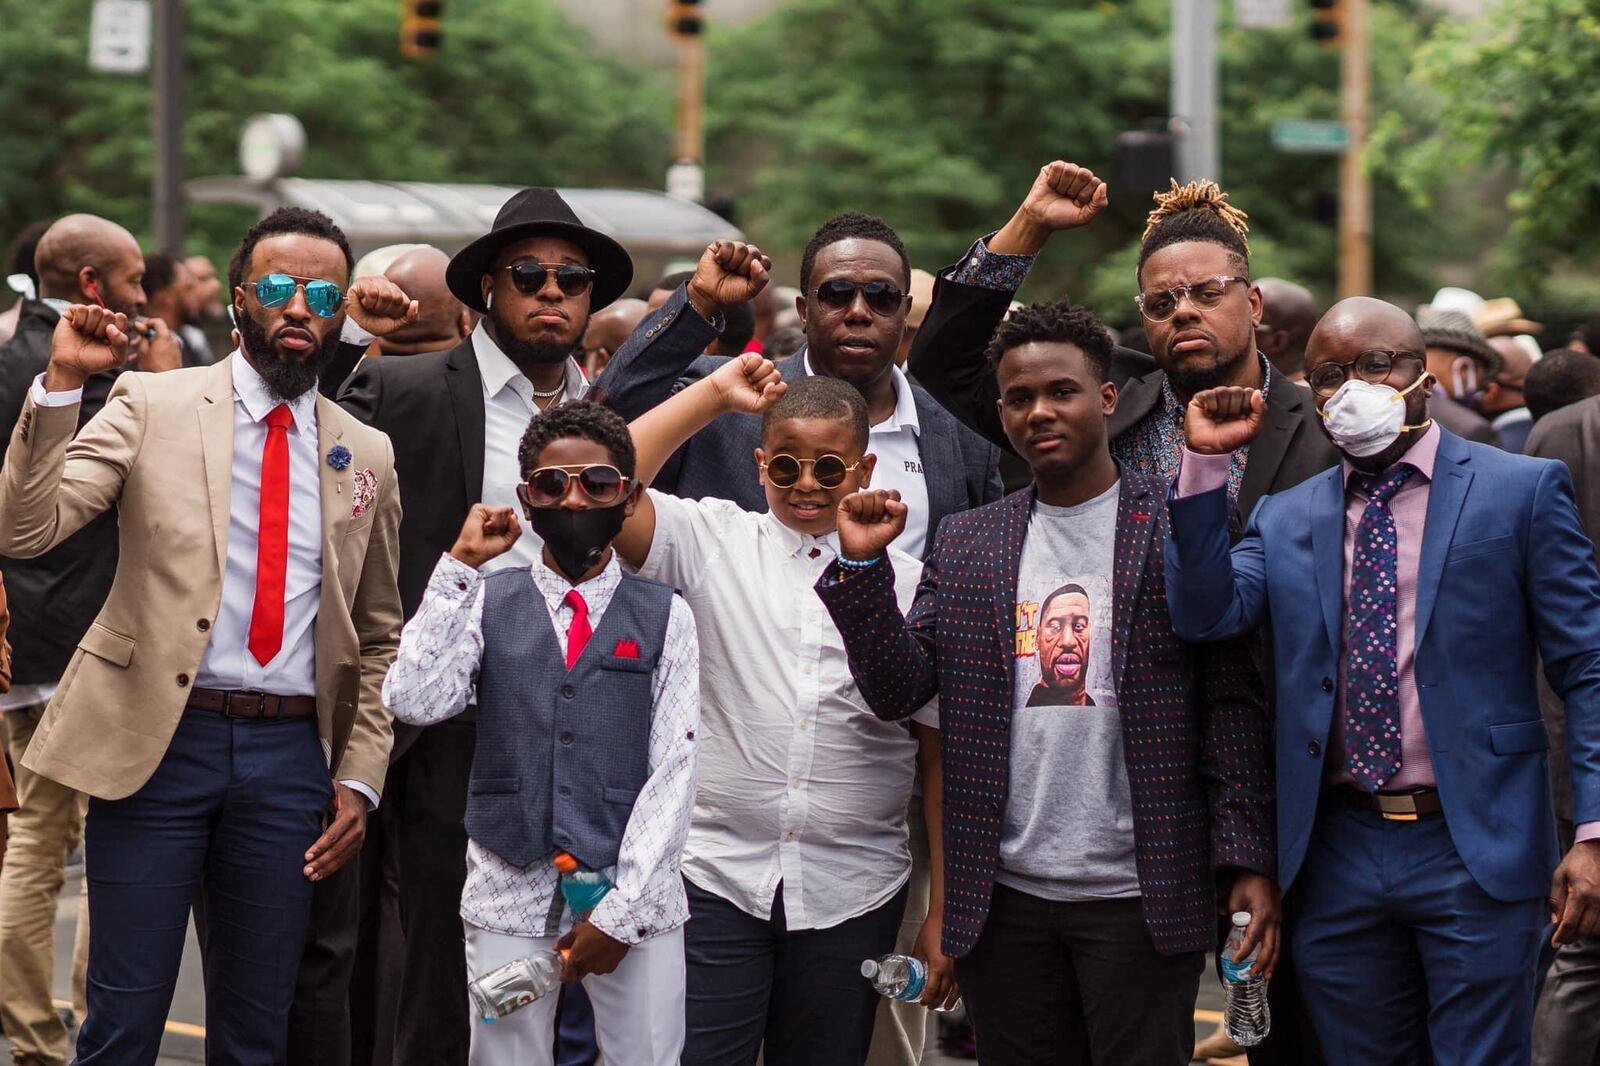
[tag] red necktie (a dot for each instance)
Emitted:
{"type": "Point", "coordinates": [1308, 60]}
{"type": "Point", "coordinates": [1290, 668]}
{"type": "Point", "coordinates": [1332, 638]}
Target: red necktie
{"type": "Point", "coordinates": [272, 538]}
{"type": "Point", "coordinates": [578, 632]}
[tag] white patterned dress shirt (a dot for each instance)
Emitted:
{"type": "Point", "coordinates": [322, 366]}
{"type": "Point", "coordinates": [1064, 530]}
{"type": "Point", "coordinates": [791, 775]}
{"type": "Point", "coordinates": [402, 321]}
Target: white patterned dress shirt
{"type": "Point", "coordinates": [800, 784]}
{"type": "Point", "coordinates": [433, 678]}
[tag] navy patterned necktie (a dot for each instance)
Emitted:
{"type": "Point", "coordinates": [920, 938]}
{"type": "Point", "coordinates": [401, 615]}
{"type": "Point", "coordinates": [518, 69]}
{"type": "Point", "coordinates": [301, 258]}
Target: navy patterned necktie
{"type": "Point", "coordinates": [1372, 678]}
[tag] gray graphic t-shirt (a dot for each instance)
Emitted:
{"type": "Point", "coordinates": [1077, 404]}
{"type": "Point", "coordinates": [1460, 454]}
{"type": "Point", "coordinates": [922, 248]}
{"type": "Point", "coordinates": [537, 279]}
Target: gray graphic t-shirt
{"type": "Point", "coordinates": [1068, 831]}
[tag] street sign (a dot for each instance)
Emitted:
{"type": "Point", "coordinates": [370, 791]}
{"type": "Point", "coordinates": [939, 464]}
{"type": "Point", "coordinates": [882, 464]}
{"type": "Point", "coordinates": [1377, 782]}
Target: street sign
{"type": "Point", "coordinates": [119, 36]}
{"type": "Point", "coordinates": [1310, 136]}
{"type": "Point", "coordinates": [1262, 14]}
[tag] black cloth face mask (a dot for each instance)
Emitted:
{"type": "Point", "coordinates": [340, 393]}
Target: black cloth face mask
{"type": "Point", "coordinates": [577, 539]}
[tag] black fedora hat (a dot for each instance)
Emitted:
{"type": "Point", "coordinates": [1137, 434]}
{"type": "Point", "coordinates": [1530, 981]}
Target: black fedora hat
{"type": "Point", "coordinates": [540, 212]}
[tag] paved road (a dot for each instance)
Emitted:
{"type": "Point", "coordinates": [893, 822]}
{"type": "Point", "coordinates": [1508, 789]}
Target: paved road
{"type": "Point", "coordinates": [185, 1038]}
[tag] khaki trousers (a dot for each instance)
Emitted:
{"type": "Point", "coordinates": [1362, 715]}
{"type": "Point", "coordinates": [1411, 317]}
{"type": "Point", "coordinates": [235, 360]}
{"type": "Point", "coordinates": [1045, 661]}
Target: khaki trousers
{"type": "Point", "coordinates": [45, 828]}
{"type": "Point", "coordinates": [900, 1030]}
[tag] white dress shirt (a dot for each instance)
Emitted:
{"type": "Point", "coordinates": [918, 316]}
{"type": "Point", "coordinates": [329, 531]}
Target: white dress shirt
{"type": "Point", "coordinates": [507, 408]}
{"type": "Point", "coordinates": [433, 678]}
{"type": "Point", "coordinates": [894, 442]}
{"type": "Point", "coordinates": [228, 662]}
{"type": "Point", "coordinates": [800, 783]}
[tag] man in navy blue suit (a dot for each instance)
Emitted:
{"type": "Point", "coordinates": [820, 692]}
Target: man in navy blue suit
{"type": "Point", "coordinates": [1415, 825]}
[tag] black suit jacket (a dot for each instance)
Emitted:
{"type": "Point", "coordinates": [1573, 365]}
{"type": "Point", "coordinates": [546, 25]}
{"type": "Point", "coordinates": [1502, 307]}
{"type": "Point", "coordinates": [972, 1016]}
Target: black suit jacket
{"type": "Point", "coordinates": [947, 358]}
{"type": "Point", "coordinates": [663, 356]}
{"type": "Point", "coordinates": [52, 598]}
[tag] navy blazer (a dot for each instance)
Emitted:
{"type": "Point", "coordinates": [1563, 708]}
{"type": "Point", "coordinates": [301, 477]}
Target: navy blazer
{"type": "Point", "coordinates": [1194, 719]}
{"type": "Point", "coordinates": [664, 355]}
{"type": "Point", "coordinates": [1506, 575]}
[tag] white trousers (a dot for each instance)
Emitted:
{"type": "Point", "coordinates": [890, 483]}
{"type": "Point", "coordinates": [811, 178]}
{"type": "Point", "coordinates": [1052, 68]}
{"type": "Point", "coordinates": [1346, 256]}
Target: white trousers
{"type": "Point", "coordinates": [638, 1008]}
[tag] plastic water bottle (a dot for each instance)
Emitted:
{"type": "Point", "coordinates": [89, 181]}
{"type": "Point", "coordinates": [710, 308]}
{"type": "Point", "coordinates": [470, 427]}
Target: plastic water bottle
{"type": "Point", "coordinates": [581, 888]}
{"type": "Point", "coordinates": [896, 976]}
{"type": "Point", "coordinates": [1246, 1018]}
{"type": "Point", "coordinates": [515, 985]}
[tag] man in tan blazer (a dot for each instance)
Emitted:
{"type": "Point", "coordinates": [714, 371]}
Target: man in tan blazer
{"type": "Point", "coordinates": [225, 703]}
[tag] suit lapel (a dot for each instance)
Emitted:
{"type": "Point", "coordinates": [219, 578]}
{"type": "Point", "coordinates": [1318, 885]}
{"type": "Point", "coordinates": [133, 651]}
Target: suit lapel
{"type": "Point", "coordinates": [1451, 478]}
{"type": "Point", "coordinates": [1327, 548]}
{"type": "Point", "coordinates": [1013, 516]}
{"type": "Point", "coordinates": [943, 471]}
{"type": "Point", "coordinates": [1136, 522]}
{"type": "Point", "coordinates": [337, 493]}
{"type": "Point", "coordinates": [465, 384]}
{"type": "Point", "coordinates": [1137, 398]}
{"type": "Point", "coordinates": [216, 447]}
{"type": "Point", "coordinates": [1267, 451]}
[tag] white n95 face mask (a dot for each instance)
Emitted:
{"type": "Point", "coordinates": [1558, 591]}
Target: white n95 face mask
{"type": "Point", "coordinates": [1363, 419]}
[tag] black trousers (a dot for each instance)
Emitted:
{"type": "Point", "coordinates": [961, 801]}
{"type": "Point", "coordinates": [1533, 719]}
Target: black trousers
{"type": "Point", "coordinates": [797, 997]}
{"type": "Point", "coordinates": [1066, 984]}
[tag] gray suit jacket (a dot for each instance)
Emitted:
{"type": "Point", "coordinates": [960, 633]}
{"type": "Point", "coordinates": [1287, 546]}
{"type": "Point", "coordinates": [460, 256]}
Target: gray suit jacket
{"type": "Point", "coordinates": [664, 355]}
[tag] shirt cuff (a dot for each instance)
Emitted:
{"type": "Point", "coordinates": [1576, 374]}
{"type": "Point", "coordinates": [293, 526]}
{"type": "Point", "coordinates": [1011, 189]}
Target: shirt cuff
{"type": "Point", "coordinates": [454, 579]}
{"type": "Point", "coordinates": [1586, 831]}
{"type": "Point", "coordinates": [356, 786]}
{"type": "Point", "coordinates": [1201, 473]}
{"type": "Point", "coordinates": [352, 333]}
{"type": "Point", "coordinates": [41, 398]}
{"type": "Point", "coordinates": [984, 269]}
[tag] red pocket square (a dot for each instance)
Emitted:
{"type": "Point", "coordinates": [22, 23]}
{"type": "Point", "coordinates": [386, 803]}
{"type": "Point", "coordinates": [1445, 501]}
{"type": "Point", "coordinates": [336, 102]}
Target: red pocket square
{"type": "Point", "coordinates": [627, 649]}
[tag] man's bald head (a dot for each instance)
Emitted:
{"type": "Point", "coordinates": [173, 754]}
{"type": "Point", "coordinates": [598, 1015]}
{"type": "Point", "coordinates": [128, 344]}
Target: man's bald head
{"type": "Point", "coordinates": [1360, 323]}
{"type": "Point", "coordinates": [442, 321]}
{"type": "Point", "coordinates": [608, 329]}
{"type": "Point", "coordinates": [1363, 324]}
{"type": "Point", "coordinates": [1288, 315]}
{"type": "Point", "coordinates": [80, 255]}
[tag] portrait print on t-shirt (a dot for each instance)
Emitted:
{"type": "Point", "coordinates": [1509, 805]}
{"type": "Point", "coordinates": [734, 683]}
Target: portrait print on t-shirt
{"type": "Point", "coordinates": [1063, 644]}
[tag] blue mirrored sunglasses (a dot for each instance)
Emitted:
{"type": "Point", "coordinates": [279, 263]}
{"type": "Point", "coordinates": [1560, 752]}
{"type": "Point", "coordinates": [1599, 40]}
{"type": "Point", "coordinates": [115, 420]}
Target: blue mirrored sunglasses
{"type": "Point", "coordinates": [323, 297]}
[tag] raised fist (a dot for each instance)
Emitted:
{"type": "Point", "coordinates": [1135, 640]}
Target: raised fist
{"type": "Point", "coordinates": [748, 383]}
{"type": "Point", "coordinates": [1064, 196]}
{"type": "Point", "coordinates": [379, 306]}
{"type": "Point", "coordinates": [487, 533]}
{"type": "Point", "coordinates": [729, 272]}
{"type": "Point", "coordinates": [869, 522]}
{"type": "Point", "coordinates": [87, 340]}
{"type": "Point", "coordinates": [1219, 421]}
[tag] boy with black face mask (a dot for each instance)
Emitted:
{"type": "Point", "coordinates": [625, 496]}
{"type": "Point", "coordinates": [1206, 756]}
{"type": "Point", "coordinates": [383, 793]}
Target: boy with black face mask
{"type": "Point", "coordinates": [586, 682]}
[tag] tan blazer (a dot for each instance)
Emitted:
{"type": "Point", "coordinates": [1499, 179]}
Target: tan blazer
{"type": "Point", "coordinates": [161, 452]}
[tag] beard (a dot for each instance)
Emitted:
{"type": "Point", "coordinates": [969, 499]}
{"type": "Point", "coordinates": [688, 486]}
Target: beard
{"type": "Point", "coordinates": [285, 380]}
{"type": "Point", "coordinates": [1191, 380]}
{"type": "Point", "coordinates": [529, 353]}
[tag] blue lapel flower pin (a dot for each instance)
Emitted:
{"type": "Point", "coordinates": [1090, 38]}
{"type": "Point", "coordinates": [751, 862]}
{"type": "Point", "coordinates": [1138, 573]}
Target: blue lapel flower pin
{"type": "Point", "coordinates": [339, 457]}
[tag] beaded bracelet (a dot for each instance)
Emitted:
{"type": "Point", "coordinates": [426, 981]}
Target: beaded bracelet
{"type": "Point", "coordinates": [858, 564]}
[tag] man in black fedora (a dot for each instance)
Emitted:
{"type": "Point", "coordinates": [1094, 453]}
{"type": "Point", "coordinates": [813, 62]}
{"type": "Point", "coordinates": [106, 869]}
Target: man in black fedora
{"type": "Point", "coordinates": [456, 418]}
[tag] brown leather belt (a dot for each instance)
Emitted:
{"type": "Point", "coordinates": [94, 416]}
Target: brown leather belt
{"type": "Point", "coordinates": [1394, 806]}
{"type": "Point", "coordinates": [243, 703]}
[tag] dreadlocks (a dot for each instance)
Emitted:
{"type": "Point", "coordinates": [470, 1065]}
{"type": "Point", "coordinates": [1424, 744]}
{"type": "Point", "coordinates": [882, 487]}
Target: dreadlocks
{"type": "Point", "coordinates": [1198, 211]}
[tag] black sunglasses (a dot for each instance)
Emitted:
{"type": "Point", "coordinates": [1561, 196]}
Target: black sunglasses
{"type": "Point", "coordinates": [547, 486]}
{"type": "Point", "coordinates": [829, 471]}
{"type": "Point", "coordinates": [571, 278]}
{"type": "Point", "coordinates": [882, 297]}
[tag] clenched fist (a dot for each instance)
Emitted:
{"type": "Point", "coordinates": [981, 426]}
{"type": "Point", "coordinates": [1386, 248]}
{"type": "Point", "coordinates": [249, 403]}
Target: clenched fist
{"type": "Point", "coordinates": [869, 522]}
{"type": "Point", "coordinates": [729, 273]}
{"type": "Point", "coordinates": [379, 306]}
{"type": "Point", "coordinates": [1065, 196]}
{"type": "Point", "coordinates": [87, 340]}
{"type": "Point", "coordinates": [1219, 421]}
{"type": "Point", "coordinates": [748, 383]}
{"type": "Point", "coordinates": [488, 532]}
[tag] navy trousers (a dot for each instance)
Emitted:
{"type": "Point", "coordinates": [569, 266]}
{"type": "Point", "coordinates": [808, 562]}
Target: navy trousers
{"type": "Point", "coordinates": [1398, 948]}
{"type": "Point", "coordinates": [234, 803]}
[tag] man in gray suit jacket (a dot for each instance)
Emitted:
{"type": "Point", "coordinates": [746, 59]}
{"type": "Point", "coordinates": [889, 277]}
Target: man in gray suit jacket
{"type": "Point", "coordinates": [854, 277]}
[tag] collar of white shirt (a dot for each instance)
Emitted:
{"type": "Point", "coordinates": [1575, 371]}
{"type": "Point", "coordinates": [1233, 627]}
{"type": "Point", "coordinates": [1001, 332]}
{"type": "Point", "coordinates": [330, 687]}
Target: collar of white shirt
{"type": "Point", "coordinates": [498, 371]}
{"type": "Point", "coordinates": [794, 543]}
{"type": "Point", "coordinates": [905, 404]}
{"type": "Point", "coordinates": [596, 591]}
{"type": "Point", "coordinates": [250, 390]}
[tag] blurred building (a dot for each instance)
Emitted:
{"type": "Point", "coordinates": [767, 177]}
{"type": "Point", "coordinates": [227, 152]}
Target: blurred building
{"type": "Point", "coordinates": [635, 29]}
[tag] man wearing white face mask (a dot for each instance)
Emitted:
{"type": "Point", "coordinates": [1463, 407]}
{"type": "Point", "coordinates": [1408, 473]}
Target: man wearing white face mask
{"type": "Point", "coordinates": [1415, 828]}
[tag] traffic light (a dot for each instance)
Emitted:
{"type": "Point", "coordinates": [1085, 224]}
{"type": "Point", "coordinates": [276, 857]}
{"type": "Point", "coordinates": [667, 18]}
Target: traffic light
{"type": "Point", "coordinates": [1327, 22]}
{"type": "Point", "coordinates": [684, 18]}
{"type": "Point", "coordinates": [420, 34]}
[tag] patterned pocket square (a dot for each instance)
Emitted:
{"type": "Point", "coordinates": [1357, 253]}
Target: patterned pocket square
{"type": "Point", "coordinates": [627, 649]}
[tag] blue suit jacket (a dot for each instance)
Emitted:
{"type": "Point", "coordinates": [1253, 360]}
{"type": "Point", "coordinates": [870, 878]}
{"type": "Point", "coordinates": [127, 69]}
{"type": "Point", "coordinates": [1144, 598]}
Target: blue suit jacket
{"type": "Point", "coordinates": [1506, 575]}
{"type": "Point", "coordinates": [663, 356]}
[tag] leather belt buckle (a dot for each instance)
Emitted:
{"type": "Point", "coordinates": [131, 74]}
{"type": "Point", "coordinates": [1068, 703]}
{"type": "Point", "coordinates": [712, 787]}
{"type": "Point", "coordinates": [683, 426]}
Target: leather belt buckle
{"type": "Point", "coordinates": [1397, 807]}
{"type": "Point", "coordinates": [248, 696]}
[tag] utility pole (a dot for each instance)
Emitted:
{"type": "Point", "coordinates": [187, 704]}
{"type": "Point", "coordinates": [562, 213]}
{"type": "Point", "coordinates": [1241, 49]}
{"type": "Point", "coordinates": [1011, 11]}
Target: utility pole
{"type": "Point", "coordinates": [687, 175]}
{"type": "Point", "coordinates": [1355, 185]}
{"type": "Point", "coordinates": [167, 77]}
{"type": "Point", "coordinates": [1194, 89]}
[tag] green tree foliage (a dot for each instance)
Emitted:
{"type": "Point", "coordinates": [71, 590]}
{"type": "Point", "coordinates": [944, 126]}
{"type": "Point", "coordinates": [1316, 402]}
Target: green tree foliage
{"type": "Point", "coordinates": [514, 96]}
{"type": "Point", "coordinates": [1519, 89]}
{"type": "Point", "coordinates": [937, 113]}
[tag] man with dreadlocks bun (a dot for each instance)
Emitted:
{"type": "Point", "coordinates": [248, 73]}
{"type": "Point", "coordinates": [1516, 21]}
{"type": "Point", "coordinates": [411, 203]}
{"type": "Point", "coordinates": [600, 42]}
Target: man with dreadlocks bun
{"type": "Point", "coordinates": [1200, 313]}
